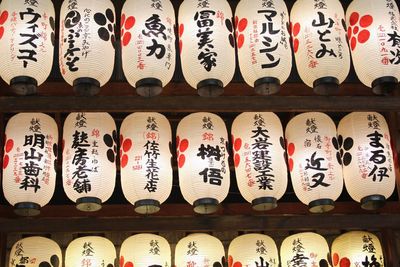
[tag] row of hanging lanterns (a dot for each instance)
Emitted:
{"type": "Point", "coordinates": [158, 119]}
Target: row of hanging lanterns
{"type": "Point", "coordinates": [317, 32]}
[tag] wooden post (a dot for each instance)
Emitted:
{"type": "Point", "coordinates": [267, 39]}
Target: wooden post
{"type": "Point", "coordinates": [3, 249]}
{"type": "Point", "coordinates": [389, 248]}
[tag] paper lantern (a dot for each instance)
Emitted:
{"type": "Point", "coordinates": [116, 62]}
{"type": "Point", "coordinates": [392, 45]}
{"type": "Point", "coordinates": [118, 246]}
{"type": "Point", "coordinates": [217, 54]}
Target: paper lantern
{"type": "Point", "coordinates": [26, 43]}
{"type": "Point", "coordinates": [207, 45]}
{"type": "Point", "coordinates": [368, 168]}
{"type": "Point", "coordinates": [315, 170]}
{"type": "Point", "coordinates": [253, 249]}
{"type": "Point", "coordinates": [373, 32]}
{"type": "Point", "coordinates": [357, 248]}
{"type": "Point", "coordinates": [89, 156]}
{"type": "Point", "coordinates": [143, 250]}
{"type": "Point", "coordinates": [148, 44]}
{"type": "Point", "coordinates": [146, 172]}
{"type": "Point", "coordinates": [35, 251]}
{"type": "Point", "coordinates": [263, 42]}
{"type": "Point", "coordinates": [203, 166]}
{"type": "Point", "coordinates": [304, 249]}
{"type": "Point", "coordinates": [29, 162]}
{"type": "Point", "coordinates": [259, 157]}
{"type": "Point", "coordinates": [93, 251]}
{"type": "Point", "coordinates": [87, 44]}
{"type": "Point", "coordinates": [319, 43]}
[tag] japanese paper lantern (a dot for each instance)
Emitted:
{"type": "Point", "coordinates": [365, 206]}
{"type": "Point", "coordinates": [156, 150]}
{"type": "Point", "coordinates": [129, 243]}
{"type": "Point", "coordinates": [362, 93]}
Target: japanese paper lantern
{"type": "Point", "coordinates": [29, 162]}
{"type": "Point", "coordinates": [319, 43]}
{"type": "Point", "coordinates": [315, 169]}
{"type": "Point", "coordinates": [304, 249]}
{"type": "Point", "coordinates": [373, 32]}
{"type": "Point", "coordinates": [35, 251]}
{"type": "Point", "coordinates": [207, 45]}
{"type": "Point", "coordinates": [253, 249]}
{"type": "Point", "coordinates": [93, 251]}
{"type": "Point", "coordinates": [259, 157]}
{"type": "Point", "coordinates": [263, 42]}
{"type": "Point", "coordinates": [87, 44]}
{"type": "Point", "coordinates": [148, 44]}
{"type": "Point", "coordinates": [203, 166]}
{"type": "Point", "coordinates": [357, 248]}
{"type": "Point", "coordinates": [146, 172]}
{"type": "Point", "coordinates": [89, 159]}
{"type": "Point", "coordinates": [368, 167]}
{"type": "Point", "coordinates": [26, 43]}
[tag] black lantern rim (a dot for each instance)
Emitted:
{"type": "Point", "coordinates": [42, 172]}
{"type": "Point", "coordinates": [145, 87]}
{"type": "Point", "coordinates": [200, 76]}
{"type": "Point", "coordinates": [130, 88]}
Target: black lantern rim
{"type": "Point", "coordinates": [88, 204]}
{"type": "Point", "coordinates": [326, 85]}
{"type": "Point", "coordinates": [147, 206]}
{"type": "Point", "coordinates": [373, 202]}
{"type": "Point", "coordinates": [86, 86]}
{"type": "Point", "coordinates": [24, 85]}
{"type": "Point", "coordinates": [264, 203]}
{"type": "Point", "coordinates": [384, 85]}
{"type": "Point", "coordinates": [267, 86]}
{"type": "Point", "coordinates": [27, 209]}
{"type": "Point", "coordinates": [321, 205]}
{"type": "Point", "coordinates": [206, 205]}
{"type": "Point", "coordinates": [148, 87]}
{"type": "Point", "coordinates": [210, 88]}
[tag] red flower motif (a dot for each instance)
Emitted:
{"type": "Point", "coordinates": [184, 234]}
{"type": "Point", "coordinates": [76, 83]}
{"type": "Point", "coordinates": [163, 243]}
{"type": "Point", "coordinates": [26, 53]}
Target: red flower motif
{"type": "Point", "coordinates": [357, 31]}
{"type": "Point", "coordinates": [3, 19]}
{"type": "Point", "coordinates": [240, 27]}
{"type": "Point", "coordinates": [181, 146]}
{"type": "Point", "coordinates": [237, 144]}
{"type": "Point", "coordinates": [122, 262]}
{"type": "Point", "coordinates": [295, 31]}
{"type": "Point", "coordinates": [290, 150]}
{"type": "Point", "coordinates": [126, 145]}
{"type": "Point", "coordinates": [8, 147]}
{"type": "Point", "coordinates": [181, 30]}
{"type": "Point", "coordinates": [126, 24]}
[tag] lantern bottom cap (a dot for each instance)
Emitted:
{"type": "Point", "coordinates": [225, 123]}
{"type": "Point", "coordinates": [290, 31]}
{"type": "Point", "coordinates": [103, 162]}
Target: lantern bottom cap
{"type": "Point", "coordinates": [210, 88]}
{"type": "Point", "coordinates": [326, 85]}
{"type": "Point", "coordinates": [23, 85]}
{"type": "Point", "coordinates": [147, 206]}
{"type": "Point", "coordinates": [27, 209]}
{"type": "Point", "coordinates": [86, 86]}
{"type": "Point", "coordinates": [267, 86]}
{"type": "Point", "coordinates": [88, 204]}
{"type": "Point", "coordinates": [205, 205]}
{"type": "Point", "coordinates": [373, 202]}
{"type": "Point", "coordinates": [148, 87]}
{"type": "Point", "coordinates": [321, 205]}
{"type": "Point", "coordinates": [384, 85]}
{"type": "Point", "coordinates": [264, 203]}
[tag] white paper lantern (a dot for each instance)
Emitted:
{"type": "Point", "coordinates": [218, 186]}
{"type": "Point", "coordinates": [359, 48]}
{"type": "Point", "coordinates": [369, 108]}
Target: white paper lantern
{"type": "Point", "coordinates": [357, 248]}
{"type": "Point", "coordinates": [319, 43]}
{"type": "Point", "coordinates": [203, 166]}
{"type": "Point", "coordinates": [146, 172]}
{"type": "Point", "coordinates": [373, 32]}
{"type": "Point", "coordinates": [259, 157]}
{"type": "Point", "coordinates": [89, 159]}
{"type": "Point", "coordinates": [87, 44]}
{"type": "Point", "coordinates": [314, 165]}
{"type": "Point", "coordinates": [368, 168]}
{"type": "Point", "coordinates": [304, 249]}
{"type": "Point", "coordinates": [253, 249]}
{"type": "Point", "coordinates": [263, 42]}
{"type": "Point", "coordinates": [93, 251]}
{"type": "Point", "coordinates": [29, 162]}
{"type": "Point", "coordinates": [35, 251]}
{"type": "Point", "coordinates": [207, 45]}
{"type": "Point", "coordinates": [26, 43]}
{"type": "Point", "coordinates": [148, 44]}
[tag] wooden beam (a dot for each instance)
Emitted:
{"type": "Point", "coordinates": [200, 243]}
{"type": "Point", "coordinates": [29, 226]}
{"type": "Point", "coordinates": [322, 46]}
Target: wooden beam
{"type": "Point", "coordinates": [390, 249]}
{"type": "Point", "coordinates": [3, 249]}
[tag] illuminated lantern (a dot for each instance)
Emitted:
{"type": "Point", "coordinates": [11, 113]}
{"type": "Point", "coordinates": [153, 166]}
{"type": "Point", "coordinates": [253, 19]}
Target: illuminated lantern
{"type": "Point", "coordinates": [315, 169]}
{"type": "Point", "coordinates": [368, 168]}
{"type": "Point", "coordinates": [26, 43]}
{"type": "Point", "coordinates": [207, 45]}
{"type": "Point", "coordinates": [146, 172]}
{"type": "Point", "coordinates": [305, 249]}
{"type": "Point", "coordinates": [357, 248]}
{"type": "Point", "coordinates": [248, 249]}
{"type": "Point", "coordinates": [203, 166]}
{"type": "Point", "coordinates": [148, 44]}
{"type": "Point", "coordinates": [35, 251]}
{"type": "Point", "coordinates": [29, 162]}
{"type": "Point", "coordinates": [265, 61]}
{"type": "Point", "coordinates": [259, 157]}
{"type": "Point", "coordinates": [89, 156]}
{"type": "Point", "coordinates": [319, 43]}
{"type": "Point", "coordinates": [373, 32]}
{"type": "Point", "coordinates": [87, 44]}
{"type": "Point", "coordinates": [93, 251]}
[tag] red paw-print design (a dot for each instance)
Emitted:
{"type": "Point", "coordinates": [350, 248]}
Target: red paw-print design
{"type": "Point", "coordinates": [122, 262]}
{"type": "Point", "coordinates": [357, 31]}
{"type": "Point", "coordinates": [295, 29]}
{"type": "Point", "coordinates": [7, 149]}
{"type": "Point", "coordinates": [240, 26]}
{"type": "Point", "coordinates": [340, 262]}
{"type": "Point", "coordinates": [126, 145]}
{"type": "Point", "coordinates": [237, 145]}
{"type": "Point", "coordinates": [3, 19]}
{"type": "Point", "coordinates": [181, 29]}
{"type": "Point", "coordinates": [231, 263]}
{"type": "Point", "coordinates": [126, 24]}
{"type": "Point", "coordinates": [181, 147]}
{"type": "Point", "coordinates": [290, 151]}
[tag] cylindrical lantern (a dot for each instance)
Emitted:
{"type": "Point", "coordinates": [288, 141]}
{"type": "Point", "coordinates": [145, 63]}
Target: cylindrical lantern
{"type": "Point", "coordinates": [143, 250]}
{"type": "Point", "coordinates": [315, 169]}
{"type": "Point", "coordinates": [207, 45]}
{"type": "Point", "coordinates": [148, 44]}
{"type": "Point", "coordinates": [89, 159]}
{"type": "Point", "coordinates": [259, 157]}
{"type": "Point", "coordinates": [87, 44]}
{"type": "Point", "coordinates": [35, 251]}
{"type": "Point", "coordinates": [146, 172]}
{"type": "Point", "coordinates": [93, 251]}
{"type": "Point", "coordinates": [373, 32]}
{"type": "Point", "coordinates": [253, 249]}
{"type": "Point", "coordinates": [357, 248]}
{"type": "Point", "coordinates": [29, 162]}
{"type": "Point", "coordinates": [203, 166]}
{"type": "Point", "coordinates": [199, 250]}
{"type": "Point", "coordinates": [319, 43]}
{"type": "Point", "coordinates": [26, 43]}
{"type": "Point", "coordinates": [368, 168]}
{"type": "Point", "coordinates": [304, 249]}
{"type": "Point", "coordinates": [263, 42]}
